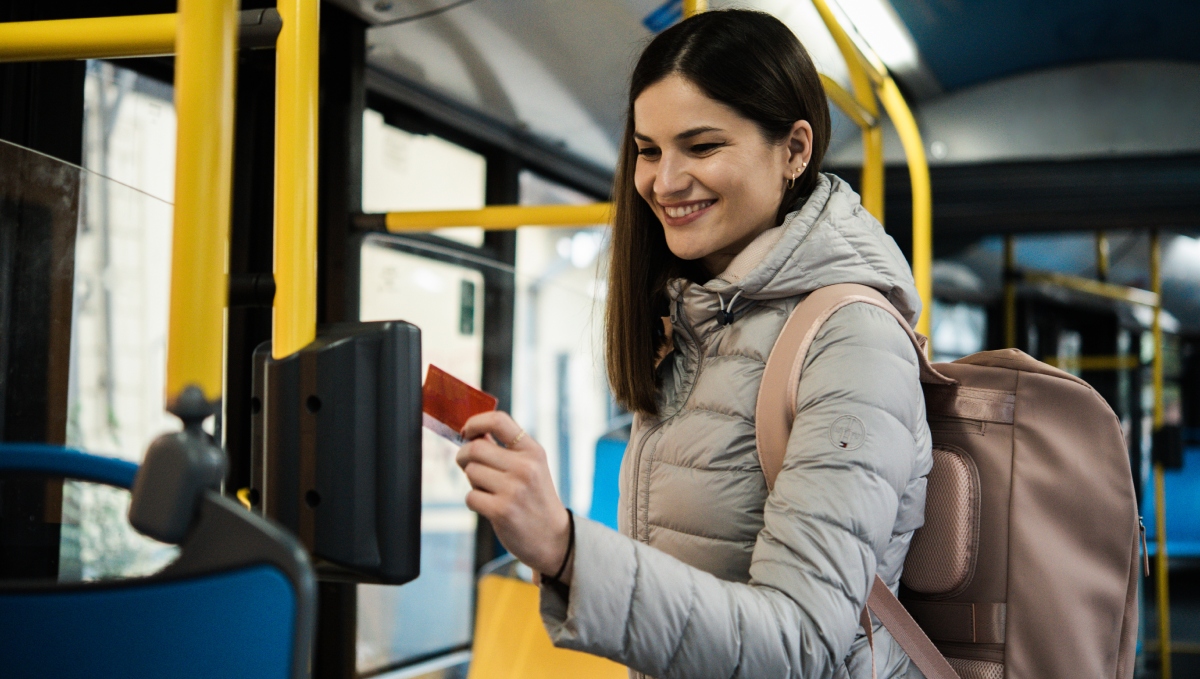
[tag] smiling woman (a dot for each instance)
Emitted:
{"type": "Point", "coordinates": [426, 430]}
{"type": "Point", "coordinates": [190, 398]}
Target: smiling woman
{"type": "Point", "coordinates": [731, 111]}
{"type": "Point", "coordinates": [722, 224]}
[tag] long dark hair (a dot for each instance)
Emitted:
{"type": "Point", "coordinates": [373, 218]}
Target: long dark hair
{"type": "Point", "coordinates": [751, 62]}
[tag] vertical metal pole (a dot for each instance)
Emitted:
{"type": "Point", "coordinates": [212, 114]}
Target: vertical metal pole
{"type": "Point", "coordinates": [693, 7]}
{"type": "Point", "coordinates": [922, 196]}
{"type": "Point", "coordinates": [205, 64]}
{"type": "Point", "coordinates": [296, 82]}
{"type": "Point", "coordinates": [1160, 498]}
{"type": "Point", "coordinates": [1010, 292]}
{"type": "Point", "coordinates": [1102, 255]}
{"type": "Point", "coordinates": [342, 45]}
{"type": "Point", "coordinates": [872, 171]}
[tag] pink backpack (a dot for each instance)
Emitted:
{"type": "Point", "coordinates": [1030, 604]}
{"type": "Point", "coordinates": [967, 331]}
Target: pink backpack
{"type": "Point", "coordinates": [1027, 565]}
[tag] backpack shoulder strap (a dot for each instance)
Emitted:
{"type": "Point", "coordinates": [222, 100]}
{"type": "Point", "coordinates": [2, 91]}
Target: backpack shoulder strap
{"type": "Point", "coordinates": [900, 624]}
{"type": "Point", "coordinates": [776, 406]}
{"type": "Point", "coordinates": [775, 411]}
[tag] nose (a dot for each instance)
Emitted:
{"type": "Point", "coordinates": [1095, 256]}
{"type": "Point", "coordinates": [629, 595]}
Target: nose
{"type": "Point", "coordinates": [672, 180]}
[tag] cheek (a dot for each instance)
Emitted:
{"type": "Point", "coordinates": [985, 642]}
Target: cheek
{"type": "Point", "coordinates": [751, 189]}
{"type": "Point", "coordinates": [643, 181]}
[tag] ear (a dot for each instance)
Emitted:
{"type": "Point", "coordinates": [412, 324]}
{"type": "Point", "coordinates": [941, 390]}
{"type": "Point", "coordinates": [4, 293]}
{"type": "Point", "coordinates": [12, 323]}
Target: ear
{"type": "Point", "coordinates": [799, 147]}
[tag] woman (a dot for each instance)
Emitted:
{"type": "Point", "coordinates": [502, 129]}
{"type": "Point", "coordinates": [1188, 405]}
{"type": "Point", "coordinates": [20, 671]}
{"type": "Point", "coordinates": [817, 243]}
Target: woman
{"type": "Point", "coordinates": [723, 223]}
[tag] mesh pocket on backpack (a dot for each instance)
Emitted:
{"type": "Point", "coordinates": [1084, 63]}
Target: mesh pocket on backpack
{"type": "Point", "coordinates": [976, 669]}
{"type": "Point", "coordinates": [941, 558]}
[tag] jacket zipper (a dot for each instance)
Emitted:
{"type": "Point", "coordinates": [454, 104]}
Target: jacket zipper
{"type": "Point", "coordinates": [635, 506]}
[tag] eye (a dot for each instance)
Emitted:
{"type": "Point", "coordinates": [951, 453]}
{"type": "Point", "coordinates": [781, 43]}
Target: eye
{"type": "Point", "coordinates": [648, 152]}
{"type": "Point", "coordinates": [704, 149]}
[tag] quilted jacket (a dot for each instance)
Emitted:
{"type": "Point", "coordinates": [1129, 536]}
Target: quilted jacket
{"type": "Point", "coordinates": [711, 575]}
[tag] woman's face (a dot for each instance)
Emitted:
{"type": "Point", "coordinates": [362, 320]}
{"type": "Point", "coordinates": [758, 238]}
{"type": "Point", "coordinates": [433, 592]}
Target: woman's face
{"type": "Point", "coordinates": [708, 173]}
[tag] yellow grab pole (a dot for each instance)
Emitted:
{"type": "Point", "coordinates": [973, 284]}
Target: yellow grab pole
{"type": "Point", "coordinates": [862, 77]}
{"type": "Point", "coordinates": [1160, 496]}
{"type": "Point", "coordinates": [501, 217]}
{"type": "Point", "coordinates": [872, 172]}
{"type": "Point", "coordinates": [296, 81]}
{"type": "Point", "coordinates": [1102, 256]}
{"type": "Point", "coordinates": [922, 195]}
{"type": "Point", "coordinates": [694, 7]}
{"type": "Point", "coordinates": [205, 63]}
{"type": "Point", "coordinates": [100, 38]}
{"type": "Point", "coordinates": [1010, 292]}
{"type": "Point", "coordinates": [848, 104]}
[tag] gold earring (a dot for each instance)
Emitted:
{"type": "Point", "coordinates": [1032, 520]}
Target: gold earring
{"type": "Point", "coordinates": [791, 184]}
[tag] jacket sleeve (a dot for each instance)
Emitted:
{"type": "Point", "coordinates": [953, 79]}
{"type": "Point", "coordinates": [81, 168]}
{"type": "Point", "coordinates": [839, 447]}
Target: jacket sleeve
{"type": "Point", "coordinates": [827, 523]}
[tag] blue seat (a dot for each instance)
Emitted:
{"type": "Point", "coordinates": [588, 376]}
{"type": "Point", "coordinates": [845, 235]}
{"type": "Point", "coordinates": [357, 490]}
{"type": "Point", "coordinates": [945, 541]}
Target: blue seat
{"type": "Point", "coordinates": [238, 602]}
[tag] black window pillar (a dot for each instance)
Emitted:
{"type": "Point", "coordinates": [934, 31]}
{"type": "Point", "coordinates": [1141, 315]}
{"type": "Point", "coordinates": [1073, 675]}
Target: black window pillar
{"type": "Point", "coordinates": [502, 188]}
{"type": "Point", "coordinates": [339, 197]}
{"type": "Point", "coordinates": [251, 259]}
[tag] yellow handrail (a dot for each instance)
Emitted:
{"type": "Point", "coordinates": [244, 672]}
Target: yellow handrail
{"type": "Point", "coordinates": [863, 75]}
{"type": "Point", "coordinates": [869, 77]}
{"type": "Point", "coordinates": [1160, 492]}
{"type": "Point", "coordinates": [848, 104]}
{"type": "Point", "coordinates": [501, 217]}
{"type": "Point", "coordinates": [297, 71]}
{"type": "Point", "coordinates": [101, 38]}
{"type": "Point", "coordinates": [205, 64]}
{"type": "Point", "coordinates": [1121, 293]}
{"type": "Point", "coordinates": [693, 7]}
{"type": "Point", "coordinates": [922, 196]}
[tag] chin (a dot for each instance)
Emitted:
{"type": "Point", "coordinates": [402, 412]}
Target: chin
{"type": "Point", "coordinates": [687, 250]}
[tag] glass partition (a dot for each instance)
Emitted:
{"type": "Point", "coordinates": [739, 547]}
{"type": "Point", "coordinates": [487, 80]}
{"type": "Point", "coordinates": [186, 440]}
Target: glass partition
{"type": "Point", "coordinates": [86, 272]}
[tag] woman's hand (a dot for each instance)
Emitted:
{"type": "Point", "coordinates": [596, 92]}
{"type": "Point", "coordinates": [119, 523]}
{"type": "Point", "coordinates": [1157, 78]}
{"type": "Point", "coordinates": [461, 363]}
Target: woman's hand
{"type": "Point", "coordinates": [511, 486]}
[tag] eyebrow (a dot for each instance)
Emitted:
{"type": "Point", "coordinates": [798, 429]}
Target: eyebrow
{"type": "Point", "coordinates": [686, 134]}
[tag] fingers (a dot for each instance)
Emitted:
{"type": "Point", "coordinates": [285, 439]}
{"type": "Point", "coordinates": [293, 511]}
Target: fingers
{"type": "Point", "coordinates": [485, 478]}
{"type": "Point", "coordinates": [484, 503]}
{"type": "Point", "coordinates": [484, 452]}
{"type": "Point", "coordinates": [497, 423]}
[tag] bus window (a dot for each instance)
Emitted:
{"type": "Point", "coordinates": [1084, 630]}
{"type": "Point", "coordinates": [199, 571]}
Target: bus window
{"type": "Point", "coordinates": [441, 292]}
{"type": "Point", "coordinates": [116, 397]}
{"type": "Point", "coordinates": [560, 392]}
{"type": "Point", "coordinates": [406, 171]}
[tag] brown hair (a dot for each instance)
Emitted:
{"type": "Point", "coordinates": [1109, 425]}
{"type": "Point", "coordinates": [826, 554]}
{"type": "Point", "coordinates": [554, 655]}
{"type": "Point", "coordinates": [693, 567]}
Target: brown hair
{"type": "Point", "coordinates": [752, 63]}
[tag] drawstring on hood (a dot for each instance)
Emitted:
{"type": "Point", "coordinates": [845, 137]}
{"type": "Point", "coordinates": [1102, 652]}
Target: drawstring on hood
{"type": "Point", "coordinates": [725, 315]}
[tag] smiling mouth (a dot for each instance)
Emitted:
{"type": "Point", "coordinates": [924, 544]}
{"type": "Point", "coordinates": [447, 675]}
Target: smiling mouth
{"type": "Point", "coordinates": [677, 212]}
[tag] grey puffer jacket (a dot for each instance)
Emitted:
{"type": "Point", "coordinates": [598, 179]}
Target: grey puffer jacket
{"type": "Point", "coordinates": [711, 576]}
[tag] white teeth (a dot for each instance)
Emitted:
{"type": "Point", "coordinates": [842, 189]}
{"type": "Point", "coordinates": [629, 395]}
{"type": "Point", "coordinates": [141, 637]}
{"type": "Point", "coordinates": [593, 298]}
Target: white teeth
{"type": "Point", "coordinates": [677, 212]}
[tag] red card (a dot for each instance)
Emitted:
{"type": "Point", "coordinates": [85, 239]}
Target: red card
{"type": "Point", "coordinates": [448, 403]}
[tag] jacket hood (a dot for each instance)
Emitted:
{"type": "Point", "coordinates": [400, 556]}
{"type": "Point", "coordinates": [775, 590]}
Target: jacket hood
{"type": "Point", "coordinates": [830, 239]}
